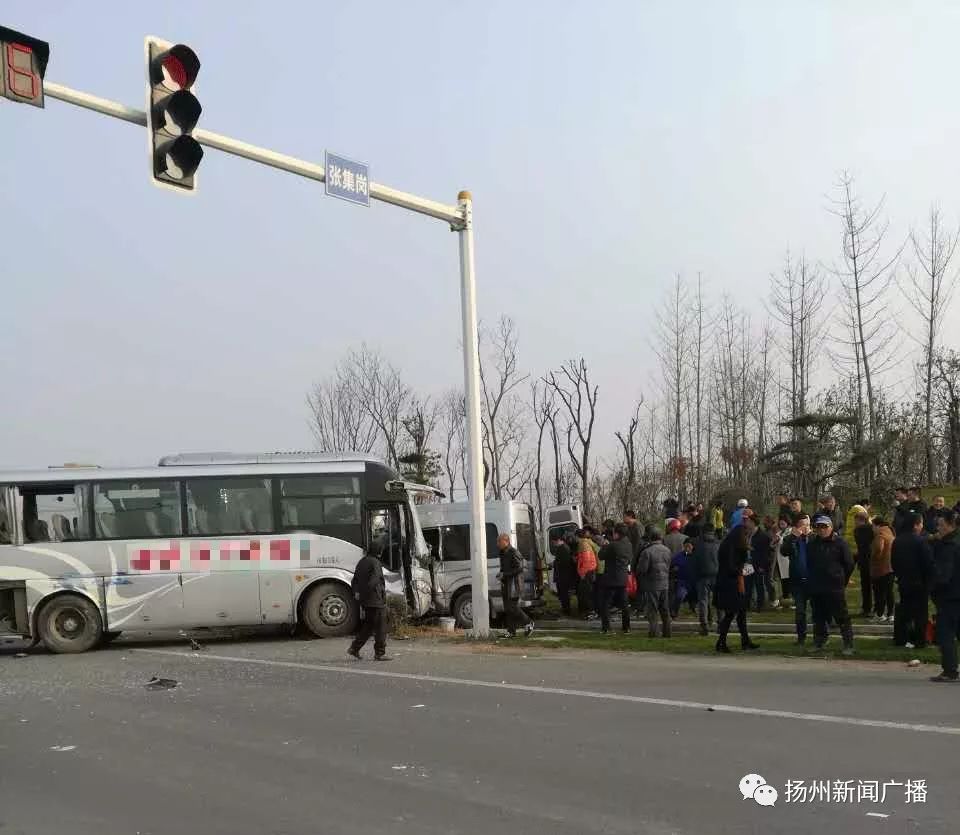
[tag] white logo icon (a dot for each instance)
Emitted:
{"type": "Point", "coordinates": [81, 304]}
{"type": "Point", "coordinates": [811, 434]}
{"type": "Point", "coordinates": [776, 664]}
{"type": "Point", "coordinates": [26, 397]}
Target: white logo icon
{"type": "Point", "coordinates": [754, 786]}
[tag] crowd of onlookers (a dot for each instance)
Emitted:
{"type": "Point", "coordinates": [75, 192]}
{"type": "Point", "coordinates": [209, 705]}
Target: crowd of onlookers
{"type": "Point", "coordinates": [720, 565]}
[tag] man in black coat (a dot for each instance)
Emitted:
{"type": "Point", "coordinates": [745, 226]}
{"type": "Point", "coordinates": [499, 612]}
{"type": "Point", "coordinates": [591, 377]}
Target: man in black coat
{"type": "Point", "coordinates": [370, 591]}
{"type": "Point", "coordinates": [564, 569]}
{"type": "Point", "coordinates": [706, 565]}
{"type": "Point", "coordinates": [617, 556]}
{"type": "Point", "coordinates": [912, 562]}
{"type": "Point", "coordinates": [863, 537]}
{"type": "Point", "coordinates": [511, 581]}
{"type": "Point", "coordinates": [761, 546]}
{"type": "Point", "coordinates": [829, 566]}
{"type": "Point", "coordinates": [946, 593]}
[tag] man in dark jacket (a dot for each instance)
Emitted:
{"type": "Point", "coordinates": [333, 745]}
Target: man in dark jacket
{"type": "Point", "coordinates": [912, 562]}
{"type": "Point", "coordinates": [829, 507]}
{"type": "Point", "coordinates": [731, 597]}
{"type": "Point", "coordinates": [761, 558]}
{"type": "Point", "coordinates": [863, 537]}
{"type": "Point", "coordinates": [370, 591]}
{"type": "Point", "coordinates": [794, 547]}
{"type": "Point", "coordinates": [653, 577]}
{"type": "Point", "coordinates": [705, 568]}
{"type": "Point", "coordinates": [901, 510]}
{"type": "Point", "coordinates": [829, 566]}
{"type": "Point", "coordinates": [938, 504]}
{"type": "Point", "coordinates": [946, 593]}
{"type": "Point", "coordinates": [617, 556]}
{"type": "Point", "coordinates": [564, 569]}
{"type": "Point", "coordinates": [634, 533]}
{"type": "Point", "coordinates": [511, 581]}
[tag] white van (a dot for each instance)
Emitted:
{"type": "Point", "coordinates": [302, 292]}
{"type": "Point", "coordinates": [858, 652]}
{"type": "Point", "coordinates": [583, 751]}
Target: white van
{"type": "Point", "coordinates": [446, 528]}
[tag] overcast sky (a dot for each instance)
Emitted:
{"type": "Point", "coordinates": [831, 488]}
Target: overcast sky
{"type": "Point", "coordinates": [608, 146]}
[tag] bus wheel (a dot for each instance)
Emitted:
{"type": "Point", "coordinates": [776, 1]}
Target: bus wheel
{"type": "Point", "coordinates": [462, 609]}
{"type": "Point", "coordinates": [70, 623]}
{"type": "Point", "coordinates": [330, 611]}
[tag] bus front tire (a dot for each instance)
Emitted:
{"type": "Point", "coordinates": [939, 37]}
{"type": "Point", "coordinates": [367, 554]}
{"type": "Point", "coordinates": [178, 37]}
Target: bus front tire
{"type": "Point", "coordinates": [70, 623]}
{"type": "Point", "coordinates": [330, 611]}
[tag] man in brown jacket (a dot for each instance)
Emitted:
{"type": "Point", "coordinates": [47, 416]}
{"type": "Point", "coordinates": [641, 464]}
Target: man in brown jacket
{"type": "Point", "coordinates": [881, 570]}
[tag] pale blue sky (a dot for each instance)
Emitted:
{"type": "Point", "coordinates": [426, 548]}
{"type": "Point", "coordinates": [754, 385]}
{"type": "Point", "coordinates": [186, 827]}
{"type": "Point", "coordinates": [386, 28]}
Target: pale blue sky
{"type": "Point", "coordinates": [608, 146]}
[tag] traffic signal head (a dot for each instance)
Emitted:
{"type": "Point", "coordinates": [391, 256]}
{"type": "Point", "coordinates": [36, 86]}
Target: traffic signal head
{"type": "Point", "coordinates": [172, 114]}
{"type": "Point", "coordinates": [23, 62]}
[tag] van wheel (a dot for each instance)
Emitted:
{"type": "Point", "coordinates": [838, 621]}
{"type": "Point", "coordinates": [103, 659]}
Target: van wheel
{"type": "Point", "coordinates": [330, 611]}
{"type": "Point", "coordinates": [70, 623]}
{"type": "Point", "coordinates": [462, 609]}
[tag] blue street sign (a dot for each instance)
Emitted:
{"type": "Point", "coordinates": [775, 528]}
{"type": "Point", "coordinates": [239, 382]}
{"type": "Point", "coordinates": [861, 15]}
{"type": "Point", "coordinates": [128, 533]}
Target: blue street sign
{"type": "Point", "coordinates": [347, 179]}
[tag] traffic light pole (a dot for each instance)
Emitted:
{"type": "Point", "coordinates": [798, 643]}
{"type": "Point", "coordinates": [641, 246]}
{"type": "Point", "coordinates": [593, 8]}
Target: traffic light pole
{"type": "Point", "coordinates": [460, 218]}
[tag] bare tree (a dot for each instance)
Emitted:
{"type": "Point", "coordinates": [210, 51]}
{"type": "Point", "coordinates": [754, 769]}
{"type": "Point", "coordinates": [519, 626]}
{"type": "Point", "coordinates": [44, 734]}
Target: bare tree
{"type": "Point", "coordinates": [931, 288]}
{"type": "Point", "coordinates": [378, 388]}
{"type": "Point", "coordinates": [865, 276]}
{"type": "Point", "coordinates": [795, 302]}
{"type": "Point", "coordinates": [697, 324]}
{"type": "Point", "coordinates": [579, 399]}
{"type": "Point", "coordinates": [669, 343]}
{"type": "Point", "coordinates": [452, 417]}
{"type": "Point", "coordinates": [339, 421]}
{"type": "Point", "coordinates": [628, 445]}
{"type": "Point", "coordinates": [503, 413]}
{"type": "Point", "coordinates": [948, 374]}
{"type": "Point", "coordinates": [544, 416]}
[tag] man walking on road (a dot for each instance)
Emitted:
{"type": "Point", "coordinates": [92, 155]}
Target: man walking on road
{"type": "Point", "coordinates": [653, 577]}
{"type": "Point", "coordinates": [617, 556]}
{"type": "Point", "coordinates": [511, 581]}
{"type": "Point", "coordinates": [829, 566]}
{"type": "Point", "coordinates": [370, 591]}
{"type": "Point", "coordinates": [946, 593]}
{"type": "Point", "coordinates": [705, 568]}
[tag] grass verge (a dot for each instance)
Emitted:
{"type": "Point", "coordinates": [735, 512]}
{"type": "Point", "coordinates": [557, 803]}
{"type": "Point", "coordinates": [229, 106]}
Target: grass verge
{"type": "Point", "coordinates": [867, 649]}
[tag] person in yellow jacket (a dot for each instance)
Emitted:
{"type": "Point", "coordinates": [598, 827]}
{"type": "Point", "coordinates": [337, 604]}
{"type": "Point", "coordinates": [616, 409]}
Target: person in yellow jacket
{"type": "Point", "coordinates": [716, 516]}
{"type": "Point", "coordinates": [881, 569]}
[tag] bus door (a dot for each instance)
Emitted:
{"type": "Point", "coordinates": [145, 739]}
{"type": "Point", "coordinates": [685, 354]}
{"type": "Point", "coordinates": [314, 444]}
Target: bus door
{"type": "Point", "coordinates": [402, 572]}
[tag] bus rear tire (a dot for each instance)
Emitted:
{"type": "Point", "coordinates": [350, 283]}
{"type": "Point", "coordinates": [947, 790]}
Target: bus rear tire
{"type": "Point", "coordinates": [330, 611]}
{"type": "Point", "coordinates": [70, 623]}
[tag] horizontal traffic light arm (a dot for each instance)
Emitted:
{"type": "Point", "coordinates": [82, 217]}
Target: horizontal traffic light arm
{"type": "Point", "coordinates": [453, 215]}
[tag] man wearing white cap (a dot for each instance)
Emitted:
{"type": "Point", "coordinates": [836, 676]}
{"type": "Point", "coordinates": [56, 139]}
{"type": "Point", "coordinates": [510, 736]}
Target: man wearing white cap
{"type": "Point", "coordinates": [736, 517]}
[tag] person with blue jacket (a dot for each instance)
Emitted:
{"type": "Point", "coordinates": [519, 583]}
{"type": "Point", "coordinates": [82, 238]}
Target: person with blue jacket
{"type": "Point", "coordinates": [794, 548]}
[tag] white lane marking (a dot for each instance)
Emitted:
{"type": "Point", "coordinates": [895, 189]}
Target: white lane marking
{"type": "Point", "coordinates": [877, 815]}
{"type": "Point", "coordinates": [561, 691]}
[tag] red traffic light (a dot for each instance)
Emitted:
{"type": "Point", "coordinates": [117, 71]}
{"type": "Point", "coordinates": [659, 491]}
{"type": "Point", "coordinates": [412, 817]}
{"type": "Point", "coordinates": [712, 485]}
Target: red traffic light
{"type": "Point", "coordinates": [176, 69]}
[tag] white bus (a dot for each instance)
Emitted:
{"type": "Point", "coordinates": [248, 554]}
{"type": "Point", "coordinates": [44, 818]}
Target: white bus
{"type": "Point", "coordinates": [202, 540]}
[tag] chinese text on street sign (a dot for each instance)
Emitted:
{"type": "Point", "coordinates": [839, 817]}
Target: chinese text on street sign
{"type": "Point", "coordinates": [347, 179]}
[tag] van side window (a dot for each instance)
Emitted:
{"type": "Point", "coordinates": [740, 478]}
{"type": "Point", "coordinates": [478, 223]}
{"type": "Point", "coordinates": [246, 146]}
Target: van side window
{"type": "Point", "coordinates": [455, 542]}
{"type": "Point", "coordinates": [55, 512]}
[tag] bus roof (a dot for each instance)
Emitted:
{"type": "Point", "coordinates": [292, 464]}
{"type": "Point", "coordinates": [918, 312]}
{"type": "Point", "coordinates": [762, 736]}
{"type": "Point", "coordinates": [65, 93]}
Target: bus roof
{"type": "Point", "coordinates": [191, 465]}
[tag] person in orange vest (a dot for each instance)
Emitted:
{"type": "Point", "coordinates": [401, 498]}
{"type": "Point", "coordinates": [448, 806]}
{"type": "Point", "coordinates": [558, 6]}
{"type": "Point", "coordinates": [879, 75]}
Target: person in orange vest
{"type": "Point", "coordinates": [587, 572]}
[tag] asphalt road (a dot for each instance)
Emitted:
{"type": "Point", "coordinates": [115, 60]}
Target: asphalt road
{"type": "Point", "coordinates": [285, 736]}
